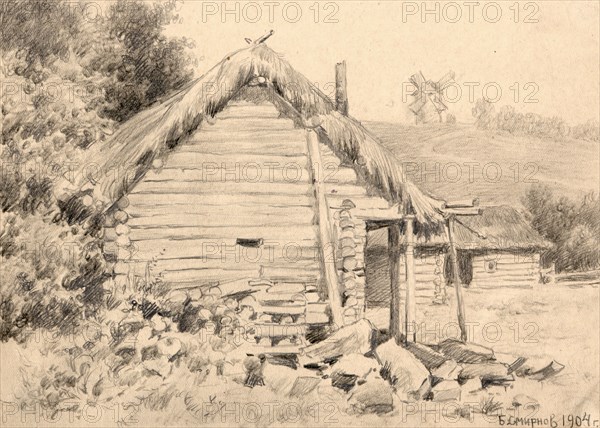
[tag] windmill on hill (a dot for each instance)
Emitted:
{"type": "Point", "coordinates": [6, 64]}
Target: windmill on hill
{"type": "Point", "coordinates": [428, 103]}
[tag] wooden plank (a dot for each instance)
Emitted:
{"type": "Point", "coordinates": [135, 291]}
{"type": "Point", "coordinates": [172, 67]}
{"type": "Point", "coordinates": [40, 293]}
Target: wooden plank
{"type": "Point", "coordinates": [411, 307]}
{"type": "Point", "coordinates": [241, 199]}
{"type": "Point", "coordinates": [212, 251]}
{"type": "Point", "coordinates": [290, 146]}
{"type": "Point", "coordinates": [290, 273]}
{"type": "Point", "coordinates": [268, 233]}
{"type": "Point", "coordinates": [253, 173]}
{"type": "Point", "coordinates": [279, 330]}
{"type": "Point", "coordinates": [396, 321]}
{"type": "Point", "coordinates": [222, 188]}
{"type": "Point", "coordinates": [277, 218]}
{"type": "Point", "coordinates": [197, 214]}
{"type": "Point", "coordinates": [456, 279]}
{"type": "Point", "coordinates": [319, 307]}
{"type": "Point", "coordinates": [247, 110]}
{"type": "Point", "coordinates": [210, 161]}
{"type": "Point", "coordinates": [282, 310]}
{"type": "Point", "coordinates": [325, 229]}
{"type": "Point", "coordinates": [251, 124]}
{"type": "Point", "coordinates": [341, 92]}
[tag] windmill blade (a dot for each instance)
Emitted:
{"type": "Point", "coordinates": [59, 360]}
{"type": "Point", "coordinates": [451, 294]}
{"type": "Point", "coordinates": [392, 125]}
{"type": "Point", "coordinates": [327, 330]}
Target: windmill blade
{"type": "Point", "coordinates": [418, 81]}
{"type": "Point", "coordinates": [446, 80]}
{"type": "Point", "coordinates": [437, 102]}
{"type": "Point", "coordinates": [417, 104]}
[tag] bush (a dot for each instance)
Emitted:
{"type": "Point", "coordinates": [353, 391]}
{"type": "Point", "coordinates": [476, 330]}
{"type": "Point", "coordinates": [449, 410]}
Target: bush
{"type": "Point", "coordinates": [573, 228]}
{"type": "Point", "coordinates": [52, 267]}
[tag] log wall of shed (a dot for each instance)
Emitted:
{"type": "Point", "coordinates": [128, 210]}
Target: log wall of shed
{"type": "Point", "coordinates": [243, 177]}
{"type": "Point", "coordinates": [506, 269]}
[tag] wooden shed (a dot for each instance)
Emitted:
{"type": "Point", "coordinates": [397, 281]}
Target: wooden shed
{"type": "Point", "coordinates": [250, 179]}
{"type": "Point", "coordinates": [498, 248]}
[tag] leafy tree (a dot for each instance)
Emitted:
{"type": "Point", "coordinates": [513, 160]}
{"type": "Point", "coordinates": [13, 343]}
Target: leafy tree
{"type": "Point", "coordinates": [572, 227]}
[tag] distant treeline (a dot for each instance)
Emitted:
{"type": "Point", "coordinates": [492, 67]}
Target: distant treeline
{"type": "Point", "coordinates": [507, 119]}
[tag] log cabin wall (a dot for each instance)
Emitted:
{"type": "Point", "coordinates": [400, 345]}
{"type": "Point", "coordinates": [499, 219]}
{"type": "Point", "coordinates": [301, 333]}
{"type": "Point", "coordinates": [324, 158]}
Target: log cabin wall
{"type": "Point", "coordinates": [350, 202]}
{"type": "Point", "coordinates": [506, 269]}
{"type": "Point", "coordinates": [230, 207]}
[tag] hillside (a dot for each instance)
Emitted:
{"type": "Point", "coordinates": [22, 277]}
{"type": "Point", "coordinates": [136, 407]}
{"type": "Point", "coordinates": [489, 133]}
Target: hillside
{"type": "Point", "coordinates": [456, 162]}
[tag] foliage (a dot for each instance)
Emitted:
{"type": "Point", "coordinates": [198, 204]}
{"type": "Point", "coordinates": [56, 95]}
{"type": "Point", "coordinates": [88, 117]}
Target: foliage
{"type": "Point", "coordinates": [143, 64]}
{"type": "Point", "coordinates": [573, 227]}
{"type": "Point", "coordinates": [508, 120]}
{"type": "Point", "coordinates": [61, 73]}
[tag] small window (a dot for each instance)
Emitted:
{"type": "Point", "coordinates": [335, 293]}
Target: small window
{"type": "Point", "coordinates": [491, 266]}
{"type": "Point", "coordinates": [249, 242]}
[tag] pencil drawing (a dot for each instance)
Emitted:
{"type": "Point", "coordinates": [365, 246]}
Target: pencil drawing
{"type": "Point", "coordinates": [236, 249]}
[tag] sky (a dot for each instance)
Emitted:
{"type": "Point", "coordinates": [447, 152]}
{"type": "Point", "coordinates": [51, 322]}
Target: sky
{"type": "Point", "coordinates": [541, 57]}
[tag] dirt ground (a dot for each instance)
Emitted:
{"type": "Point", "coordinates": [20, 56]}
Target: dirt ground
{"type": "Point", "coordinates": [548, 322]}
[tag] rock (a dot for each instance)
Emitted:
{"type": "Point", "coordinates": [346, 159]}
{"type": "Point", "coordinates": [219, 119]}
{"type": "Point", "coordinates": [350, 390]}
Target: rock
{"type": "Point", "coordinates": [402, 369]}
{"type": "Point", "coordinates": [374, 396]}
{"type": "Point", "coordinates": [472, 386]}
{"type": "Point", "coordinates": [525, 401]}
{"type": "Point", "coordinates": [431, 359]}
{"type": "Point", "coordinates": [481, 370]}
{"type": "Point", "coordinates": [279, 379]}
{"type": "Point", "coordinates": [169, 346]}
{"type": "Point", "coordinates": [465, 352]}
{"type": "Point", "coordinates": [356, 338]}
{"type": "Point", "coordinates": [303, 386]}
{"type": "Point", "coordinates": [343, 381]}
{"type": "Point", "coordinates": [449, 370]}
{"type": "Point", "coordinates": [446, 390]}
{"type": "Point", "coordinates": [356, 364]}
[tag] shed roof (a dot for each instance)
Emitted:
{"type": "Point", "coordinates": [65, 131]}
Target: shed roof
{"type": "Point", "coordinates": [153, 133]}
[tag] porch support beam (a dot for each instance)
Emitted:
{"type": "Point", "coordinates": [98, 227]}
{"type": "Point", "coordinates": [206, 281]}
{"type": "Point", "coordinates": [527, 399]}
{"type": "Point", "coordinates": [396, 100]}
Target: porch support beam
{"type": "Point", "coordinates": [411, 305]}
{"type": "Point", "coordinates": [456, 278]}
{"type": "Point", "coordinates": [326, 236]}
{"type": "Point", "coordinates": [396, 329]}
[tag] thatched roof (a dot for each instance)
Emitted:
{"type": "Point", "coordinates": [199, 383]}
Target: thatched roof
{"type": "Point", "coordinates": [153, 133]}
{"type": "Point", "coordinates": [501, 228]}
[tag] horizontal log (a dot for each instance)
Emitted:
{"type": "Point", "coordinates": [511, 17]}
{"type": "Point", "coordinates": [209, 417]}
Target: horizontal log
{"type": "Point", "coordinates": [211, 173]}
{"type": "Point", "coordinates": [282, 310]}
{"type": "Point", "coordinates": [278, 330]}
{"type": "Point", "coordinates": [169, 200]}
{"type": "Point", "coordinates": [265, 297]}
{"type": "Point", "coordinates": [317, 318]}
{"type": "Point", "coordinates": [290, 217]}
{"type": "Point", "coordinates": [225, 251]}
{"type": "Point", "coordinates": [286, 288]}
{"type": "Point", "coordinates": [505, 277]}
{"type": "Point", "coordinates": [250, 124]}
{"type": "Point", "coordinates": [205, 161]}
{"type": "Point", "coordinates": [289, 146]}
{"type": "Point", "coordinates": [290, 273]}
{"type": "Point", "coordinates": [209, 277]}
{"type": "Point", "coordinates": [268, 233]}
{"type": "Point", "coordinates": [320, 307]}
{"type": "Point", "coordinates": [249, 111]}
{"type": "Point", "coordinates": [218, 133]}
{"type": "Point", "coordinates": [504, 259]}
{"type": "Point", "coordinates": [224, 188]}
{"type": "Point", "coordinates": [196, 269]}
{"type": "Point", "coordinates": [225, 212]}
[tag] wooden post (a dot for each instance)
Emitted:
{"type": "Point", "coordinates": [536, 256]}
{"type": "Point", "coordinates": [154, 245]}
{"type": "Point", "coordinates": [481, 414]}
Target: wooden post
{"type": "Point", "coordinates": [396, 312]}
{"type": "Point", "coordinates": [456, 279]}
{"type": "Point", "coordinates": [327, 241]}
{"type": "Point", "coordinates": [341, 93]}
{"type": "Point", "coordinates": [410, 313]}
